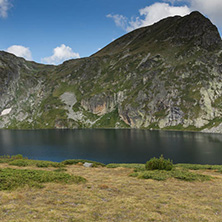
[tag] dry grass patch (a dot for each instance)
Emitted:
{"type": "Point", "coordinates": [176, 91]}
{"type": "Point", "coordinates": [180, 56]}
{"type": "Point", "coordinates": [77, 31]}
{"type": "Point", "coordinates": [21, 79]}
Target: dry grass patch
{"type": "Point", "coordinates": [111, 195]}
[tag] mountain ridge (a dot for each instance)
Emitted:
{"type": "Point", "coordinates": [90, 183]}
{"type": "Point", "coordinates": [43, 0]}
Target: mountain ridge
{"type": "Point", "coordinates": [199, 23]}
{"type": "Point", "coordinates": [164, 76]}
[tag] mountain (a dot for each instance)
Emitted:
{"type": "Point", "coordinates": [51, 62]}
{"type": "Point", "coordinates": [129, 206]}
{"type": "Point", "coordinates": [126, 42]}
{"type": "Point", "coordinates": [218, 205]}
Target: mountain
{"type": "Point", "coordinates": [164, 76]}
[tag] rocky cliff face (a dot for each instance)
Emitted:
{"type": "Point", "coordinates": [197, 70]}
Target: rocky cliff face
{"type": "Point", "coordinates": [165, 76]}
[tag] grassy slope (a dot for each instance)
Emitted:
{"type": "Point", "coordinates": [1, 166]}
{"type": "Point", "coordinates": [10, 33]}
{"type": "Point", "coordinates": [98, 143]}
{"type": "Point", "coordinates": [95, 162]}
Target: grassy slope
{"type": "Point", "coordinates": [110, 194]}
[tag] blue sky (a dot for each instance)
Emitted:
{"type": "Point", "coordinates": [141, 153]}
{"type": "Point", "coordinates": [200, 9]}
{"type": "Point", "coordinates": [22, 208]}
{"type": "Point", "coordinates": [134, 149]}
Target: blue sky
{"type": "Point", "coordinates": [52, 31]}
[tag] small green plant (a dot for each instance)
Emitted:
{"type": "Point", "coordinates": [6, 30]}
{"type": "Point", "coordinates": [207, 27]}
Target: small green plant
{"type": "Point", "coordinates": [159, 164]}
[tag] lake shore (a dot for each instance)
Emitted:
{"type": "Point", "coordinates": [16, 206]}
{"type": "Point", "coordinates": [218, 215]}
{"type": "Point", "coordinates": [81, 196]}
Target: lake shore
{"type": "Point", "coordinates": [110, 194]}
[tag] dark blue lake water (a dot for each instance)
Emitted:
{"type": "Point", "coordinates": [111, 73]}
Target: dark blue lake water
{"type": "Point", "coordinates": [125, 146]}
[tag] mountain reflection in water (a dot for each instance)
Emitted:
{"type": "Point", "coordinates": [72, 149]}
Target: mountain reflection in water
{"type": "Point", "coordinates": [104, 145]}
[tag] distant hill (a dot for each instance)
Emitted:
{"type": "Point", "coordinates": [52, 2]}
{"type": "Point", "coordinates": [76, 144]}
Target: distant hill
{"type": "Point", "coordinates": [164, 76]}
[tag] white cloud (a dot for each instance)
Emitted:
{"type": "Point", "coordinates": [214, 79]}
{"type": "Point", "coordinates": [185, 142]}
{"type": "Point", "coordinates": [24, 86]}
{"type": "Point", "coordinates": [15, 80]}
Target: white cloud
{"type": "Point", "coordinates": [120, 20]}
{"type": "Point", "coordinates": [60, 54]}
{"type": "Point", "coordinates": [149, 15]}
{"type": "Point", "coordinates": [4, 7]}
{"type": "Point", "coordinates": [158, 11]}
{"type": "Point", "coordinates": [20, 51]}
{"type": "Point", "coordinates": [210, 8]}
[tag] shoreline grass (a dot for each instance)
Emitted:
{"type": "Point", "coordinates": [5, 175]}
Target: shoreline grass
{"type": "Point", "coordinates": [149, 170]}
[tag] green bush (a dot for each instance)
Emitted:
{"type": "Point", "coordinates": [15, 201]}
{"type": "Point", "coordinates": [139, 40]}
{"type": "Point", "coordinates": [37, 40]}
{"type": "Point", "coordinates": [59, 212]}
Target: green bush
{"type": "Point", "coordinates": [19, 162]}
{"type": "Point", "coordinates": [155, 175]}
{"type": "Point", "coordinates": [42, 164]}
{"type": "Point", "coordinates": [13, 178]}
{"type": "Point", "coordinates": [159, 164]}
{"type": "Point", "coordinates": [8, 158]}
{"type": "Point", "coordinates": [17, 157]}
{"type": "Point", "coordinates": [45, 164]}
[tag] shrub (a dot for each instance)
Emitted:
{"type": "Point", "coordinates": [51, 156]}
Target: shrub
{"type": "Point", "coordinates": [13, 178]}
{"type": "Point", "coordinates": [159, 164]}
{"type": "Point", "coordinates": [42, 164]}
{"type": "Point", "coordinates": [19, 162]}
{"type": "Point", "coordinates": [155, 175]}
{"type": "Point", "coordinates": [8, 158]}
{"type": "Point", "coordinates": [45, 164]}
{"type": "Point", "coordinates": [17, 157]}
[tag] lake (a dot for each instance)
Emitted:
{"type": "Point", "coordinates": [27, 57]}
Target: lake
{"type": "Point", "coordinates": [112, 146]}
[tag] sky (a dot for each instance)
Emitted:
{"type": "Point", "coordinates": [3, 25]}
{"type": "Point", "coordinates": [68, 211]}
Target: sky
{"type": "Point", "coordinates": [52, 31]}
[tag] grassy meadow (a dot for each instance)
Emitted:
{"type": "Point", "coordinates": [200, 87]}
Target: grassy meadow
{"type": "Point", "coordinates": [33, 190]}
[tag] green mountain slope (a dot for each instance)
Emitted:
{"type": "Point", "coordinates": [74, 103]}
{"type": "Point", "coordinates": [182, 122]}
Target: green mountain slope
{"type": "Point", "coordinates": [165, 76]}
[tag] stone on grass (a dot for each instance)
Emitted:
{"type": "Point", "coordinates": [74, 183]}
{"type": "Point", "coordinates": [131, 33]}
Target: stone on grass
{"type": "Point", "coordinates": [87, 164]}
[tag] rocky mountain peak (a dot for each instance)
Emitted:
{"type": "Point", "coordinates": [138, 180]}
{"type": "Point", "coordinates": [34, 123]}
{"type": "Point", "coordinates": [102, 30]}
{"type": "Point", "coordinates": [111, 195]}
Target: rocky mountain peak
{"type": "Point", "coordinates": [197, 29]}
{"type": "Point", "coordinates": [191, 30]}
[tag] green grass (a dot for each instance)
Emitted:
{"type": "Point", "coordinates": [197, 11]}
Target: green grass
{"type": "Point", "coordinates": [177, 174]}
{"type": "Point", "coordinates": [200, 167]}
{"type": "Point", "coordinates": [126, 165]}
{"type": "Point", "coordinates": [13, 178]}
{"type": "Point", "coordinates": [38, 163]}
{"type": "Point", "coordinates": [109, 120]}
{"type": "Point", "coordinates": [184, 172]}
{"type": "Point", "coordinates": [76, 161]}
{"type": "Point", "coordinates": [19, 160]}
{"type": "Point", "coordinates": [65, 87]}
{"type": "Point", "coordinates": [160, 114]}
{"type": "Point", "coordinates": [49, 118]}
{"type": "Point", "coordinates": [212, 123]}
{"type": "Point", "coordinates": [181, 128]}
{"type": "Point", "coordinates": [14, 124]}
{"type": "Point", "coordinates": [179, 171]}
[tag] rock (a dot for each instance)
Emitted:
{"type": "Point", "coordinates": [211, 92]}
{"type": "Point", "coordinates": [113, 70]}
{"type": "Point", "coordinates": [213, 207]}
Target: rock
{"type": "Point", "coordinates": [88, 165]}
{"type": "Point", "coordinates": [6, 112]}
